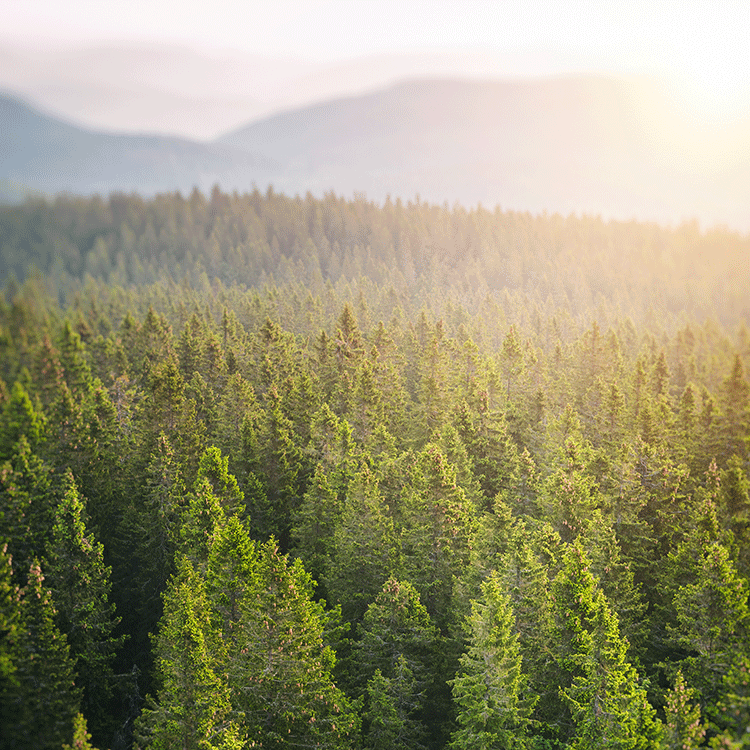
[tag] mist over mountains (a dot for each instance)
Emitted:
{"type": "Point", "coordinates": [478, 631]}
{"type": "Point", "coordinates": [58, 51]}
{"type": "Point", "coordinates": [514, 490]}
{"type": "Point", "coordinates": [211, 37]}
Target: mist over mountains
{"type": "Point", "coordinates": [569, 144]}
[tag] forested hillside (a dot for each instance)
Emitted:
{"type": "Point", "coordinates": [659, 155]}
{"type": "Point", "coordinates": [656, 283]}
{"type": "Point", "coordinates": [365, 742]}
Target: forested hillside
{"type": "Point", "coordinates": [297, 472]}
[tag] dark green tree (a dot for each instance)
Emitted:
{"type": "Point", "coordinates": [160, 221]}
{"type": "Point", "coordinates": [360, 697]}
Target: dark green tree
{"type": "Point", "coordinates": [281, 669]}
{"type": "Point", "coordinates": [395, 664]}
{"type": "Point", "coordinates": [192, 708]}
{"type": "Point", "coordinates": [606, 703]}
{"type": "Point", "coordinates": [490, 689]}
{"type": "Point", "coordinates": [365, 549]}
{"type": "Point", "coordinates": [41, 700]}
{"type": "Point", "coordinates": [81, 587]}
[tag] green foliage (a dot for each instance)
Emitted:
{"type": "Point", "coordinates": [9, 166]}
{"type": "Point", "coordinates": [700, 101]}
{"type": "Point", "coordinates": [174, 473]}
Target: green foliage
{"type": "Point", "coordinates": [683, 729]}
{"type": "Point", "coordinates": [490, 688]}
{"type": "Point", "coordinates": [397, 656]}
{"type": "Point", "coordinates": [9, 615]}
{"type": "Point", "coordinates": [404, 392]}
{"type": "Point", "coordinates": [280, 674]}
{"type": "Point", "coordinates": [80, 585]}
{"type": "Point", "coordinates": [390, 703]}
{"type": "Point", "coordinates": [438, 525]}
{"type": "Point", "coordinates": [364, 550]}
{"type": "Point", "coordinates": [41, 700]}
{"type": "Point", "coordinates": [81, 736]}
{"type": "Point", "coordinates": [19, 418]}
{"type": "Point", "coordinates": [600, 689]}
{"type": "Point", "coordinates": [193, 709]}
{"type": "Point", "coordinates": [27, 507]}
{"type": "Point", "coordinates": [712, 616]}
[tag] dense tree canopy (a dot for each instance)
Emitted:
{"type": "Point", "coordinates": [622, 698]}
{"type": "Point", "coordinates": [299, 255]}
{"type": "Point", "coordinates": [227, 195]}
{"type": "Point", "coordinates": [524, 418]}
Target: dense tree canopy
{"type": "Point", "coordinates": [299, 472]}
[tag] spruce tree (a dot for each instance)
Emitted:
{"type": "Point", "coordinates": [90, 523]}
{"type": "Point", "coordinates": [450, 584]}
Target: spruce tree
{"type": "Point", "coordinates": [41, 699]}
{"type": "Point", "coordinates": [9, 615]}
{"type": "Point", "coordinates": [490, 690]}
{"type": "Point", "coordinates": [605, 702]}
{"type": "Point", "coordinates": [395, 664]}
{"type": "Point", "coordinates": [192, 708]}
{"type": "Point", "coordinates": [80, 584]}
{"type": "Point", "coordinates": [365, 548]}
{"type": "Point", "coordinates": [391, 704]}
{"type": "Point", "coordinates": [712, 619]}
{"type": "Point", "coordinates": [683, 729]}
{"type": "Point", "coordinates": [280, 670]}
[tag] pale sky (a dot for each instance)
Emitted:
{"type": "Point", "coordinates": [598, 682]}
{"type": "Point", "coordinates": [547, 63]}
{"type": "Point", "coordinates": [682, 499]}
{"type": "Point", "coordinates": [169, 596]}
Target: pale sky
{"type": "Point", "coordinates": [707, 42]}
{"type": "Point", "coordinates": [636, 35]}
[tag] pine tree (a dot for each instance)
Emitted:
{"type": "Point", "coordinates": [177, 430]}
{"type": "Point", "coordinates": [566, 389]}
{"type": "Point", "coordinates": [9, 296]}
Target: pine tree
{"type": "Point", "coordinates": [280, 671]}
{"type": "Point", "coordinates": [27, 507]}
{"type": "Point", "coordinates": [9, 615]}
{"type": "Point", "coordinates": [734, 423]}
{"type": "Point", "coordinates": [193, 708]}
{"type": "Point", "coordinates": [280, 468]}
{"type": "Point", "coordinates": [731, 713]}
{"type": "Point", "coordinates": [438, 525]}
{"type": "Point", "coordinates": [81, 735]}
{"type": "Point", "coordinates": [713, 617]}
{"type": "Point", "coordinates": [41, 700]}
{"type": "Point", "coordinates": [391, 704]}
{"type": "Point", "coordinates": [214, 468]}
{"type": "Point", "coordinates": [80, 584]}
{"type": "Point", "coordinates": [395, 664]}
{"type": "Point", "coordinates": [683, 729]}
{"type": "Point", "coordinates": [364, 548]}
{"type": "Point", "coordinates": [152, 533]}
{"type": "Point", "coordinates": [19, 418]}
{"type": "Point", "coordinates": [607, 705]}
{"type": "Point", "coordinates": [493, 704]}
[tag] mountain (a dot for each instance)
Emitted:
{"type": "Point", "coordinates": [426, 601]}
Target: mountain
{"type": "Point", "coordinates": [571, 144]}
{"type": "Point", "coordinates": [574, 144]}
{"type": "Point", "coordinates": [173, 89]}
{"type": "Point", "coordinates": [46, 154]}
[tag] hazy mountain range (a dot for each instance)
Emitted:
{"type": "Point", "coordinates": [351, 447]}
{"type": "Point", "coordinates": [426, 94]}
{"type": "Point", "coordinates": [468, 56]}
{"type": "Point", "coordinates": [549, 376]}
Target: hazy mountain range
{"type": "Point", "coordinates": [564, 144]}
{"type": "Point", "coordinates": [201, 94]}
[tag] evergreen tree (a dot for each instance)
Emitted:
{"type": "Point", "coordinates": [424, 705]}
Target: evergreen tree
{"type": "Point", "coordinates": [8, 617]}
{"type": "Point", "coordinates": [281, 670]}
{"type": "Point", "coordinates": [607, 705]}
{"type": "Point", "coordinates": [193, 709]}
{"type": "Point", "coordinates": [734, 423]}
{"type": "Point", "coordinates": [19, 418]}
{"type": "Point", "coordinates": [493, 704]}
{"type": "Point", "coordinates": [364, 549]}
{"type": "Point", "coordinates": [683, 729]}
{"type": "Point", "coordinates": [731, 713]}
{"type": "Point", "coordinates": [41, 700]}
{"type": "Point", "coordinates": [395, 664]}
{"type": "Point", "coordinates": [81, 735]}
{"type": "Point", "coordinates": [391, 702]}
{"type": "Point", "coordinates": [27, 507]}
{"type": "Point", "coordinates": [438, 525]}
{"type": "Point", "coordinates": [80, 584]}
{"type": "Point", "coordinates": [712, 616]}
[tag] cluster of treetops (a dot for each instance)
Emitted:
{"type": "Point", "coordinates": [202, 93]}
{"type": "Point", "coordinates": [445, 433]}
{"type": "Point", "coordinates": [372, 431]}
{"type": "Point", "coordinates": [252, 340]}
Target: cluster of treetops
{"type": "Point", "coordinates": [280, 472]}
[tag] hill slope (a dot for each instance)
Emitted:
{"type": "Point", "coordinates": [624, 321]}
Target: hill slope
{"type": "Point", "coordinates": [569, 144]}
{"type": "Point", "coordinates": [47, 154]}
{"type": "Point", "coordinates": [579, 144]}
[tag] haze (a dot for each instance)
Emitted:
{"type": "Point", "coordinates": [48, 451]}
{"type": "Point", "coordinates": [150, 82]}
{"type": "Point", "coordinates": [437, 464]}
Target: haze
{"type": "Point", "coordinates": [182, 68]}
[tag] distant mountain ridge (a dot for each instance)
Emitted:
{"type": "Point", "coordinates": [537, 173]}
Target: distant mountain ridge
{"type": "Point", "coordinates": [569, 144]}
{"type": "Point", "coordinates": [46, 154]}
{"type": "Point", "coordinates": [580, 144]}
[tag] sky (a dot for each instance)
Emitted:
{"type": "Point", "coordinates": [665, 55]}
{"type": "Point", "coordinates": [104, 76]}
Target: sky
{"type": "Point", "coordinates": [707, 42]}
{"type": "Point", "coordinates": [298, 52]}
{"type": "Point", "coordinates": [701, 45]}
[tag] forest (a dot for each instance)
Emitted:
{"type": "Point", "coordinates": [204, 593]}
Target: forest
{"type": "Point", "coordinates": [298, 472]}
